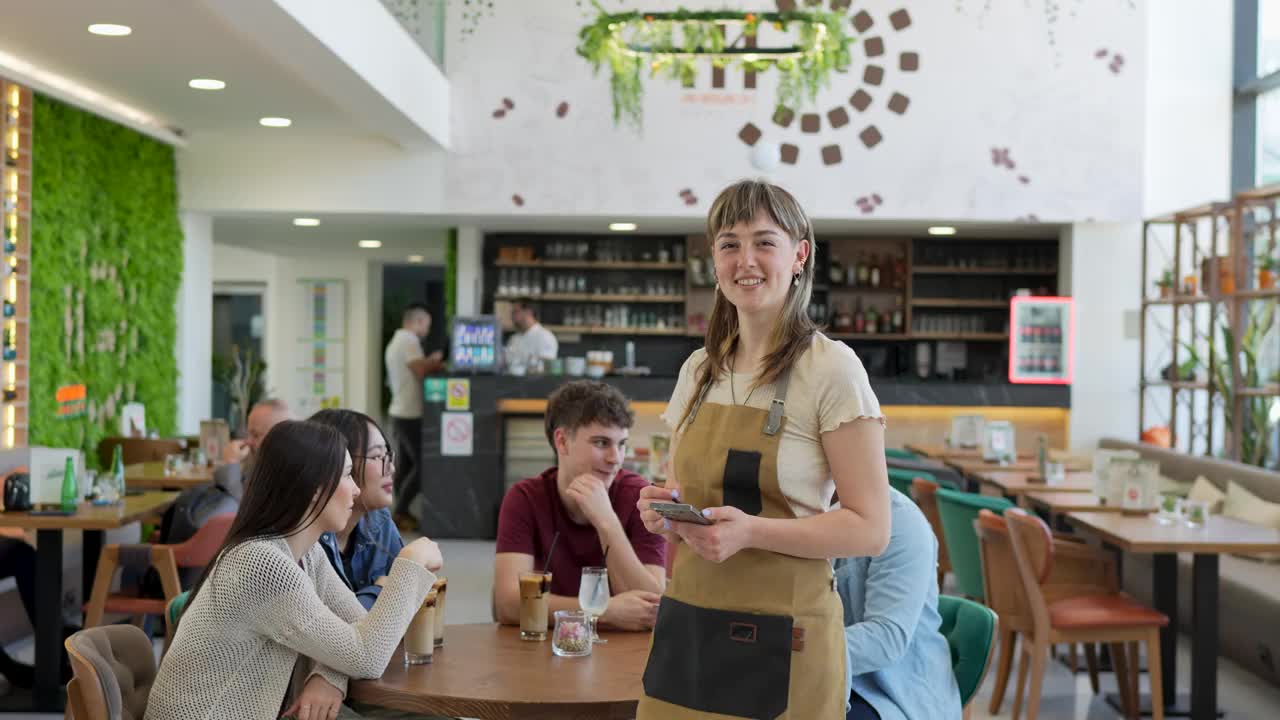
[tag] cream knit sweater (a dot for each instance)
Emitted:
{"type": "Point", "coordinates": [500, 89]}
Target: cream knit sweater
{"type": "Point", "coordinates": [236, 647]}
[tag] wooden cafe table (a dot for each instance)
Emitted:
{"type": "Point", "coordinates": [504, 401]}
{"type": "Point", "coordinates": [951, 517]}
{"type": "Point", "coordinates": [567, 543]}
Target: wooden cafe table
{"type": "Point", "coordinates": [150, 476]}
{"type": "Point", "coordinates": [486, 671]}
{"type": "Point", "coordinates": [944, 453]}
{"type": "Point", "coordinates": [1058, 502]}
{"type": "Point", "coordinates": [1014, 484]}
{"type": "Point", "coordinates": [1142, 534]}
{"type": "Point", "coordinates": [94, 521]}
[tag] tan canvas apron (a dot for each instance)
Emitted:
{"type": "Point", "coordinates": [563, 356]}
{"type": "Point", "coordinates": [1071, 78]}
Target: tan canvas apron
{"type": "Point", "coordinates": [760, 635]}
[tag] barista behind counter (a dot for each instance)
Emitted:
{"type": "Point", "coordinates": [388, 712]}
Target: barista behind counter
{"type": "Point", "coordinates": [532, 342]}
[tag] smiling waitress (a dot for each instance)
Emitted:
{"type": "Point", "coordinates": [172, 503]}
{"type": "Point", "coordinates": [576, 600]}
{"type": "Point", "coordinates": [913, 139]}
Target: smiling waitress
{"type": "Point", "coordinates": [770, 418]}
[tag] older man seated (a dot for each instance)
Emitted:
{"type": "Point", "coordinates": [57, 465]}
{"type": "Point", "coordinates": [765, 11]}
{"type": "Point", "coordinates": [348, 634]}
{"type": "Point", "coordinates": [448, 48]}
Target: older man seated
{"type": "Point", "coordinates": [899, 664]}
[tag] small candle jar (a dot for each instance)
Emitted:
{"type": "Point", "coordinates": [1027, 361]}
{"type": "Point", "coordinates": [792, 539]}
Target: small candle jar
{"type": "Point", "coordinates": [572, 634]}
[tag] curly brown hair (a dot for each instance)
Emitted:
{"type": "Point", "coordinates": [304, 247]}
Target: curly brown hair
{"type": "Point", "coordinates": [583, 402]}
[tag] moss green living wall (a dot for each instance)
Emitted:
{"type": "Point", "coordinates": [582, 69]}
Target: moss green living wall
{"type": "Point", "coordinates": [106, 262]}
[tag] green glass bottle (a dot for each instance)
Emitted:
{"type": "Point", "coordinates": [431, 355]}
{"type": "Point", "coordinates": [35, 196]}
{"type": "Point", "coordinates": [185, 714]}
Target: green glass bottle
{"type": "Point", "coordinates": [69, 491]}
{"type": "Point", "coordinates": [117, 470]}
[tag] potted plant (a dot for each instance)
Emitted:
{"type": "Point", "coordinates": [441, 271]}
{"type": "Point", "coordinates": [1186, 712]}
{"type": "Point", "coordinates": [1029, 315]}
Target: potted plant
{"type": "Point", "coordinates": [1268, 266]}
{"type": "Point", "coordinates": [1165, 283]}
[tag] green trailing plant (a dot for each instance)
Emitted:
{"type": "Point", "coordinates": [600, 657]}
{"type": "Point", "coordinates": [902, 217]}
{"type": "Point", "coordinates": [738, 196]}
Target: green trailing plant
{"type": "Point", "coordinates": [1166, 280]}
{"type": "Point", "coordinates": [103, 197]}
{"type": "Point", "coordinates": [671, 44]}
{"type": "Point", "coordinates": [1258, 429]}
{"type": "Point", "coordinates": [1268, 262]}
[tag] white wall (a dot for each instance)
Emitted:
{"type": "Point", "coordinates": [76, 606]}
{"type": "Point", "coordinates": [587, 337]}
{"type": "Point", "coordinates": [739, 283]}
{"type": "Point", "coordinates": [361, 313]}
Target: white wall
{"type": "Point", "coordinates": [470, 269]}
{"type": "Point", "coordinates": [991, 75]}
{"type": "Point", "coordinates": [361, 271]}
{"type": "Point", "coordinates": [1188, 99]}
{"type": "Point", "coordinates": [1104, 276]}
{"type": "Point", "coordinates": [309, 172]}
{"type": "Point", "coordinates": [194, 348]}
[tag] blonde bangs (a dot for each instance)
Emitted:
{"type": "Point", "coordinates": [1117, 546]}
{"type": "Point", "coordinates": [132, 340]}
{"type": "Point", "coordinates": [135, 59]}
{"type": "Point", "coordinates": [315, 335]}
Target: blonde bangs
{"type": "Point", "coordinates": [744, 200]}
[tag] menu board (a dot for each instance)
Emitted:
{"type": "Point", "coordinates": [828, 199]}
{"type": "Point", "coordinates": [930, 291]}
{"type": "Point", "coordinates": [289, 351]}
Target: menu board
{"type": "Point", "coordinates": [321, 373]}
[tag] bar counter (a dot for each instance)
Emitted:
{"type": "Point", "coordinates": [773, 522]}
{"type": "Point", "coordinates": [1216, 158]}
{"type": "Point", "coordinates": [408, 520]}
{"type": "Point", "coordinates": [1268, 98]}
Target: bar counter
{"type": "Point", "coordinates": [463, 492]}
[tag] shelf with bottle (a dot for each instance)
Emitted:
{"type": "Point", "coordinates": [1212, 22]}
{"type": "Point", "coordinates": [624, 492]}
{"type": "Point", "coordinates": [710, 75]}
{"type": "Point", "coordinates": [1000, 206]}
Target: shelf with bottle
{"type": "Point", "coordinates": [603, 330]}
{"type": "Point", "coordinates": [610, 298]}
{"type": "Point", "coordinates": [961, 336]}
{"type": "Point", "coordinates": [590, 265]}
{"type": "Point", "coordinates": [960, 303]}
{"type": "Point", "coordinates": [860, 320]}
{"type": "Point", "coordinates": [957, 270]}
{"type": "Point", "coordinates": [867, 272]}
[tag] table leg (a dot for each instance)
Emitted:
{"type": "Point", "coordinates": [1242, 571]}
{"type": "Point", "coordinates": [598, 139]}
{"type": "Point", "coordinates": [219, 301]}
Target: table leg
{"type": "Point", "coordinates": [1164, 592]}
{"type": "Point", "coordinates": [92, 550]}
{"type": "Point", "coordinates": [48, 695]}
{"type": "Point", "coordinates": [1204, 636]}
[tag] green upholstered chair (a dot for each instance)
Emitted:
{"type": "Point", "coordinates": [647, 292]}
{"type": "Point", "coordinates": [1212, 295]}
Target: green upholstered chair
{"type": "Point", "coordinates": [958, 510]}
{"type": "Point", "coordinates": [900, 454]}
{"type": "Point", "coordinates": [970, 630]}
{"type": "Point", "coordinates": [900, 479]}
{"type": "Point", "coordinates": [172, 613]}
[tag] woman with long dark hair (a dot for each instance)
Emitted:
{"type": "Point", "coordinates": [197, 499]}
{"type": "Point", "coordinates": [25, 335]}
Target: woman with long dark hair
{"type": "Point", "coordinates": [270, 598]}
{"type": "Point", "coordinates": [770, 418]}
{"type": "Point", "coordinates": [362, 552]}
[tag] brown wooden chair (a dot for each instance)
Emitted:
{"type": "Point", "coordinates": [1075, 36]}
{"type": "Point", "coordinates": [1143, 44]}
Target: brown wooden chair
{"type": "Point", "coordinates": [1084, 617]}
{"type": "Point", "coordinates": [138, 450]}
{"type": "Point", "coordinates": [1077, 570]}
{"type": "Point", "coordinates": [198, 551]}
{"type": "Point", "coordinates": [114, 668]}
{"type": "Point", "coordinates": [924, 492]}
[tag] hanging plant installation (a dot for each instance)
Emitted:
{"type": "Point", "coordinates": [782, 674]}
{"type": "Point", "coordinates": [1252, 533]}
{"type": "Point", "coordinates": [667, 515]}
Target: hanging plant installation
{"type": "Point", "coordinates": [672, 44]}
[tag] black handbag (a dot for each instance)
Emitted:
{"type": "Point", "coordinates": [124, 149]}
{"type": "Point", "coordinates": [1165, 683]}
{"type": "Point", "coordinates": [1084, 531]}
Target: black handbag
{"type": "Point", "coordinates": [17, 492]}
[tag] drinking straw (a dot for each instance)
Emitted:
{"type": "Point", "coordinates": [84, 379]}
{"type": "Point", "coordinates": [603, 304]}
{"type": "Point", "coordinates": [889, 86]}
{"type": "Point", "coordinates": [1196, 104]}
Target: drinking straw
{"type": "Point", "coordinates": [554, 539]}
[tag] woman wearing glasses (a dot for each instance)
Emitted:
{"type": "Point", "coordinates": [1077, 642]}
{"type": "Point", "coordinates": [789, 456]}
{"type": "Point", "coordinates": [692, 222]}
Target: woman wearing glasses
{"type": "Point", "coordinates": [363, 551]}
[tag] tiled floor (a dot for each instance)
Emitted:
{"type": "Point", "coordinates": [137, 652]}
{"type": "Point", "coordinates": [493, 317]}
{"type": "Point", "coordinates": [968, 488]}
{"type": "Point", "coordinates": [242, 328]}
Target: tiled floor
{"type": "Point", "coordinates": [1066, 697]}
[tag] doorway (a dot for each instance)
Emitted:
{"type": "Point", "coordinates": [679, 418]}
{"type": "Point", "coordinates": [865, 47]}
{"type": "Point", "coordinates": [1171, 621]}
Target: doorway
{"type": "Point", "coordinates": [239, 323]}
{"type": "Point", "coordinates": [403, 285]}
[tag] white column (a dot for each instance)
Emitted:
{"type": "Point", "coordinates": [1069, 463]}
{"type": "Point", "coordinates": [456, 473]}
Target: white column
{"type": "Point", "coordinates": [470, 269]}
{"type": "Point", "coordinates": [194, 347]}
{"type": "Point", "coordinates": [1104, 278]}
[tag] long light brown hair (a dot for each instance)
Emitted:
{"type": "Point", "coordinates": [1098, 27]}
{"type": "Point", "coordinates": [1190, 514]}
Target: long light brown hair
{"type": "Point", "coordinates": [792, 334]}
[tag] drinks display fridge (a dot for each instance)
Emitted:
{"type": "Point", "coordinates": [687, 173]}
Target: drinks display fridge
{"type": "Point", "coordinates": [1042, 333]}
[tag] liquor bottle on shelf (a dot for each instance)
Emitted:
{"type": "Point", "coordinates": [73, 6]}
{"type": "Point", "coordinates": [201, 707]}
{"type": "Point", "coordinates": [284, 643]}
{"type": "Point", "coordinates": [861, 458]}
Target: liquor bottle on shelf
{"type": "Point", "coordinates": [859, 318]}
{"type": "Point", "coordinates": [897, 315]}
{"type": "Point", "coordinates": [864, 271]}
{"type": "Point", "coordinates": [873, 322]}
{"type": "Point", "coordinates": [835, 272]}
{"type": "Point", "coordinates": [900, 272]}
{"type": "Point", "coordinates": [873, 275]}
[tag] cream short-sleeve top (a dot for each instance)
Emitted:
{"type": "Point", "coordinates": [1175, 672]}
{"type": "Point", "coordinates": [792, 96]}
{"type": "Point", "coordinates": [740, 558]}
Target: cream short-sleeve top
{"type": "Point", "coordinates": [829, 387]}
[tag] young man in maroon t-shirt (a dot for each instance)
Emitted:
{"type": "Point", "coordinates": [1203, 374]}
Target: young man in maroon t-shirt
{"type": "Point", "coordinates": [591, 502]}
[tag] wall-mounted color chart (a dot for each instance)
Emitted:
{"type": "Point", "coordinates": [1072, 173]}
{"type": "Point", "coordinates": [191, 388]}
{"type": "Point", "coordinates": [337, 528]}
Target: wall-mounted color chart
{"type": "Point", "coordinates": [321, 375]}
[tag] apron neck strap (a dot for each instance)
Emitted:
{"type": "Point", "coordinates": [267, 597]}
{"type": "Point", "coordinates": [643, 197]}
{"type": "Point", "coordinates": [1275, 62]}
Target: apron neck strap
{"type": "Point", "coordinates": [776, 408]}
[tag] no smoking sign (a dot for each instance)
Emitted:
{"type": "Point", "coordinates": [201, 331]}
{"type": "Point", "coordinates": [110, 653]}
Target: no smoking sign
{"type": "Point", "coordinates": [456, 432]}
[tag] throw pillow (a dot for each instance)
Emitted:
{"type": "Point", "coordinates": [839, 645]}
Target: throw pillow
{"type": "Point", "coordinates": [1203, 490]}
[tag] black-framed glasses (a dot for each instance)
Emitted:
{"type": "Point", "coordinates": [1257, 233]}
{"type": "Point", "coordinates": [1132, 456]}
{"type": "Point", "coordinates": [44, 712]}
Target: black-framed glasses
{"type": "Point", "coordinates": [389, 457]}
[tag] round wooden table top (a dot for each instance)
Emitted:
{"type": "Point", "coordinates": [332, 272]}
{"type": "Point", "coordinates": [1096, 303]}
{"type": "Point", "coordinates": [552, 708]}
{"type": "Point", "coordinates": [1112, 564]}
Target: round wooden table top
{"type": "Point", "coordinates": [486, 671]}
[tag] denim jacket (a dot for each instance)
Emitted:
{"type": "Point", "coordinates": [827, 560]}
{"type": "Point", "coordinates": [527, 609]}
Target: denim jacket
{"type": "Point", "coordinates": [376, 544]}
{"type": "Point", "coordinates": [897, 660]}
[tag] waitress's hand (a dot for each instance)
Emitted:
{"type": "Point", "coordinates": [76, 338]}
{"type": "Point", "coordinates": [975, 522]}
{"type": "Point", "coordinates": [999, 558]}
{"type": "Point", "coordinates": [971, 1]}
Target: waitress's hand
{"type": "Point", "coordinates": [654, 522]}
{"type": "Point", "coordinates": [720, 541]}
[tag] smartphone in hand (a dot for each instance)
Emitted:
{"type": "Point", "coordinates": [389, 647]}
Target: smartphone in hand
{"type": "Point", "coordinates": [681, 512]}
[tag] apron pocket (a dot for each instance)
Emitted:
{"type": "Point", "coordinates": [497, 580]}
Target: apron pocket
{"type": "Point", "coordinates": [718, 661]}
{"type": "Point", "coordinates": [742, 481]}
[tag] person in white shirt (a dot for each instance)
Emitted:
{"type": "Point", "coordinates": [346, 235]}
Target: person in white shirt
{"type": "Point", "coordinates": [406, 367]}
{"type": "Point", "coordinates": [533, 341]}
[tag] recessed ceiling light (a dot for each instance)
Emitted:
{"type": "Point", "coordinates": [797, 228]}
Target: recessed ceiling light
{"type": "Point", "coordinates": [370, 244]}
{"type": "Point", "coordinates": [206, 84]}
{"type": "Point", "coordinates": [306, 222]}
{"type": "Point", "coordinates": [275, 122]}
{"type": "Point", "coordinates": [110, 29]}
{"type": "Point", "coordinates": [942, 230]}
{"type": "Point", "coordinates": [622, 227]}
{"type": "Point", "coordinates": [417, 259]}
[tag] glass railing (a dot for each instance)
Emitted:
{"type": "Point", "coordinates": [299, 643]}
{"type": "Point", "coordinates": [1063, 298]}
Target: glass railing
{"type": "Point", "coordinates": [424, 21]}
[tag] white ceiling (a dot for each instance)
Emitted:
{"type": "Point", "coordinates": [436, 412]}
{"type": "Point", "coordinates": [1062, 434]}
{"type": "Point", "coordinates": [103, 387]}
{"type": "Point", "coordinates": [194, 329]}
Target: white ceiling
{"type": "Point", "coordinates": [173, 41]}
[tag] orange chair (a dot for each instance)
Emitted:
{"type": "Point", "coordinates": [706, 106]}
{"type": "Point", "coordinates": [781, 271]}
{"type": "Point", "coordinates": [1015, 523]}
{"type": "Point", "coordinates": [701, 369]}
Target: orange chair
{"type": "Point", "coordinates": [166, 559]}
{"type": "Point", "coordinates": [114, 669]}
{"type": "Point", "coordinates": [1084, 617]}
{"type": "Point", "coordinates": [1077, 570]}
{"type": "Point", "coordinates": [924, 492]}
